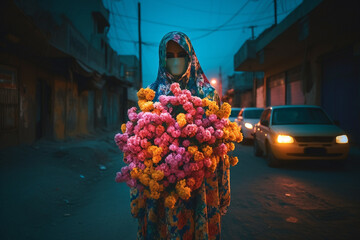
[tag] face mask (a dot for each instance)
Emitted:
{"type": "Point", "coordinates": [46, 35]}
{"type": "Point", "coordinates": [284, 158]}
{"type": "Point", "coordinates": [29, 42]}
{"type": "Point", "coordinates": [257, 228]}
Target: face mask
{"type": "Point", "coordinates": [176, 66]}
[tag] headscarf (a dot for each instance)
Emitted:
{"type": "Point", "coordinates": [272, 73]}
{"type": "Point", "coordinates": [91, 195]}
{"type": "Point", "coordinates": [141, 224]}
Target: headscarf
{"type": "Point", "coordinates": [193, 79]}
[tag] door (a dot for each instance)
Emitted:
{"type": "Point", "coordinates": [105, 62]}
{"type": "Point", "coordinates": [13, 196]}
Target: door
{"type": "Point", "coordinates": [276, 90]}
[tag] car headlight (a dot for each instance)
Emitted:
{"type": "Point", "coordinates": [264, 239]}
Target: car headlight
{"type": "Point", "coordinates": [248, 125]}
{"type": "Point", "coordinates": [342, 139]}
{"type": "Point", "coordinates": [284, 139]}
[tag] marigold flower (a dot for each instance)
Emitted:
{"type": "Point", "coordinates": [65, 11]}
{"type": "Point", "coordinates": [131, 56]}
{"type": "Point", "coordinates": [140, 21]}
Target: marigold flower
{"type": "Point", "coordinates": [181, 119]}
{"type": "Point", "coordinates": [144, 179]}
{"type": "Point", "coordinates": [170, 201]}
{"type": "Point", "coordinates": [226, 161]}
{"type": "Point", "coordinates": [207, 151]}
{"type": "Point", "coordinates": [135, 173]}
{"type": "Point", "coordinates": [157, 175]}
{"type": "Point", "coordinates": [149, 94]}
{"type": "Point", "coordinates": [123, 128]}
{"type": "Point", "coordinates": [198, 156]}
{"type": "Point", "coordinates": [146, 106]}
{"type": "Point", "coordinates": [233, 161]}
{"type": "Point", "coordinates": [141, 94]}
{"type": "Point", "coordinates": [183, 191]}
{"type": "Point", "coordinates": [192, 149]}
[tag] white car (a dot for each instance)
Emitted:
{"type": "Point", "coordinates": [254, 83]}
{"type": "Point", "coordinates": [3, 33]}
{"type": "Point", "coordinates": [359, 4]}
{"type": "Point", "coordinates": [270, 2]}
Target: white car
{"type": "Point", "coordinates": [299, 132]}
{"type": "Point", "coordinates": [247, 119]}
{"type": "Point", "coordinates": [234, 114]}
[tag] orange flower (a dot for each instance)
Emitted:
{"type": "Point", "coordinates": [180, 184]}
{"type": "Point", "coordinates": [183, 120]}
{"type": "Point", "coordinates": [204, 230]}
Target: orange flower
{"type": "Point", "coordinates": [233, 161]}
{"type": "Point", "coordinates": [192, 149]}
{"type": "Point", "coordinates": [123, 127]}
{"type": "Point", "coordinates": [181, 119]}
{"type": "Point", "coordinates": [198, 156]}
{"type": "Point", "coordinates": [170, 201]}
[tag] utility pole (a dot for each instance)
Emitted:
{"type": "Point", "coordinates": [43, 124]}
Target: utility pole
{"type": "Point", "coordinates": [220, 84]}
{"type": "Point", "coordinates": [140, 43]}
{"type": "Point", "coordinates": [275, 11]}
{"type": "Point", "coordinates": [252, 32]}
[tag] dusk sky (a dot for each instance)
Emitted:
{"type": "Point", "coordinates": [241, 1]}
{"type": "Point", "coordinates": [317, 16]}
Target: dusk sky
{"type": "Point", "coordinates": [216, 28]}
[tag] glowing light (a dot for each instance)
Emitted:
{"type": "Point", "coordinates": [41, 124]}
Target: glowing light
{"type": "Point", "coordinates": [342, 139]}
{"type": "Point", "coordinates": [213, 81]}
{"type": "Point", "coordinates": [248, 125]}
{"type": "Point", "coordinates": [285, 139]}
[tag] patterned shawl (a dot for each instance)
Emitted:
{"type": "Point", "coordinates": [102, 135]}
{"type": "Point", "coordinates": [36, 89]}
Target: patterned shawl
{"type": "Point", "coordinates": [193, 79]}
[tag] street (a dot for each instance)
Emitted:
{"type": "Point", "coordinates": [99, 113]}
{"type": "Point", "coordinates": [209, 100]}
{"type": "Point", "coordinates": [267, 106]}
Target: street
{"type": "Point", "coordinates": [58, 192]}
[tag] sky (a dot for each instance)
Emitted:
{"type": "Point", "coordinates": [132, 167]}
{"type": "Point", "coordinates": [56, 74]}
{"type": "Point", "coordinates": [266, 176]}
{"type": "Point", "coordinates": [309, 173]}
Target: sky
{"type": "Point", "coordinates": [216, 28]}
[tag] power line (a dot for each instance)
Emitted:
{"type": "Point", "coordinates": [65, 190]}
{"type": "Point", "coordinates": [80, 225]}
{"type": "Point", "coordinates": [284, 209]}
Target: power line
{"type": "Point", "coordinates": [222, 25]}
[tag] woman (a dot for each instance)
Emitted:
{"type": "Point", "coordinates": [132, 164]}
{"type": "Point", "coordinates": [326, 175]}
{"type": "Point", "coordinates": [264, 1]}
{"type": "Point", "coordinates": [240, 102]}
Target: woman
{"type": "Point", "coordinates": [199, 217]}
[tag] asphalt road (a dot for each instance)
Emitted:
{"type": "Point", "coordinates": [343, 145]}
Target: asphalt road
{"type": "Point", "coordinates": [300, 200]}
{"type": "Point", "coordinates": [59, 192]}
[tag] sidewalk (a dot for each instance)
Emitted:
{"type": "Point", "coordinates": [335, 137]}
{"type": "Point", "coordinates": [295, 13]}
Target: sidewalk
{"type": "Point", "coordinates": [48, 180]}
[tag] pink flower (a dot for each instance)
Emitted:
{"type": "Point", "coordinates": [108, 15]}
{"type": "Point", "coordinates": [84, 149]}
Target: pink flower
{"type": "Point", "coordinates": [182, 99]}
{"type": "Point", "coordinates": [190, 130]}
{"type": "Point", "coordinates": [200, 111]}
{"type": "Point", "coordinates": [186, 143]}
{"type": "Point", "coordinates": [197, 101]}
{"type": "Point", "coordinates": [164, 100]}
{"type": "Point", "coordinates": [198, 122]}
{"type": "Point", "coordinates": [132, 116]}
{"type": "Point", "coordinates": [219, 133]}
{"type": "Point", "coordinates": [181, 150]}
{"type": "Point", "coordinates": [188, 106]}
{"type": "Point", "coordinates": [173, 147]}
{"type": "Point", "coordinates": [175, 88]}
{"type": "Point", "coordinates": [212, 117]}
{"type": "Point", "coordinates": [172, 178]}
{"type": "Point", "coordinates": [207, 162]}
{"type": "Point", "coordinates": [131, 182]}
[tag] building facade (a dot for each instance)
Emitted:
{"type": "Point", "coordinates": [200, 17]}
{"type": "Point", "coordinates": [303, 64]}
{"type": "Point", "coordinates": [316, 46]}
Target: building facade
{"type": "Point", "coordinates": [59, 77]}
{"type": "Point", "coordinates": [311, 57]}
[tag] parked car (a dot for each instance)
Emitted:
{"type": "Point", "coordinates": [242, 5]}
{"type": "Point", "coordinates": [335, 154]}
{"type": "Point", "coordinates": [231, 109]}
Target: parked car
{"type": "Point", "coordinates": [299, 132]}
{"type": "Point", "coordinates": [234, 114]}
{"type": "Point", "coordinates": [247, 118]}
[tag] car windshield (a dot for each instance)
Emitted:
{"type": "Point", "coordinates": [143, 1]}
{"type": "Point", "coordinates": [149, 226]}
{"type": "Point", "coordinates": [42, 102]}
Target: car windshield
{"type": "Point", "coordinates": [253, 114]}
{"type": "Point", "coordinates": [299, 115]}
{"type": "Point", "coordinates": [234, 112]}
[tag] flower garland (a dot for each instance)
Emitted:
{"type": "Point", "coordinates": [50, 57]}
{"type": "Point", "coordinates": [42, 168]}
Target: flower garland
{"type": "Point", "coordinates": [170, 146]}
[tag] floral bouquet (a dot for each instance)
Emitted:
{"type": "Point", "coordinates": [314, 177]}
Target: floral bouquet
{"type": "Point", "coordinates": [170, 146]}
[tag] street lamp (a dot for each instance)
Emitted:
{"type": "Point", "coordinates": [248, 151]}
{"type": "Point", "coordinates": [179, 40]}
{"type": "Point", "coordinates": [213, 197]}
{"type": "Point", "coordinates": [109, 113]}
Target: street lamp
{"type": "Point", "coordinates": [213, 81]}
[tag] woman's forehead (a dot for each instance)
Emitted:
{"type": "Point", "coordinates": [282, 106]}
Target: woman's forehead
{"type": "Point", "coordinates": [172, 46]}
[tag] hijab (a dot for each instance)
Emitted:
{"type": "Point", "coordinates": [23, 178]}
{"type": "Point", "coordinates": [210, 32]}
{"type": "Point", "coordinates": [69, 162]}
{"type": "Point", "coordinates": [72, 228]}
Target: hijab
{"type": "Point", "coordinates": [193, 79]}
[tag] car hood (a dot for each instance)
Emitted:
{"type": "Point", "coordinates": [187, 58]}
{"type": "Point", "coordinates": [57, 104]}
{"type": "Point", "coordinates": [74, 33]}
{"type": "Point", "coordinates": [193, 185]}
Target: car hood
{"type": "Point", "coordinates": [308, 130]}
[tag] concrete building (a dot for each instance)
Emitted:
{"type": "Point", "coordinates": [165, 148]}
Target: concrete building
{"type": "Point", "coordinates": [311, 57]}
{"type": "Point", "coordinates": [59, 77]}
{"type": "Point", "coordinates": [241, 88]}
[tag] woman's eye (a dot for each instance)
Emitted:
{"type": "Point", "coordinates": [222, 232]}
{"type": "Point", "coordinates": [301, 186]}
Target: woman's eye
{"type": "Point", "coordinates": [169, 55]}
{"type": "Point", "coordinates": [182, 54]}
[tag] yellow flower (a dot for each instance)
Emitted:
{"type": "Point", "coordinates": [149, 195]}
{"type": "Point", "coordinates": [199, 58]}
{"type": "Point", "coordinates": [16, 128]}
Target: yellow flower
{"type": "Point", "coordinates": [226, 161]}
{"type": "Point", "coordinates": [148, 163]}
{"type": "Point", "coordinates": [192, 149]}
{"type": "Point", "coordinates": [233, 161]}
{"type": "Point", "coordinates": [123, 127]}
{"type": "Point", "coordinates": [149, 94]}
{"type": "Point", "coordinates": [207, 151]}
{"type": "Point", "coordinates": [147, 106]}
{"type": "Point", "coordinates": [144, 179]}
{"type": "Point", "coordinates": [183, 191]}
{"type": "Point", "coordinates": [135, 173]}
{"type": "Point", "coordinates": [157, 175]}
{"type": "Point", "coordinates": [198, 156]}
{"type": "Point", "coordinates": [141, 94]}
{"type": "Point", "coordinates": [224, 111]}
{"type": "Point", "coordinates": [181, 119]}
{"type": "Point", "coordinates": [205, 102]}
{"type": "Point", "coordinates": [170, 201]}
